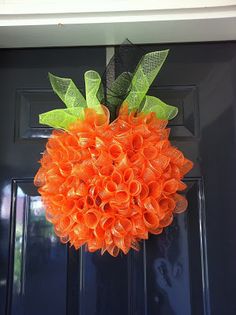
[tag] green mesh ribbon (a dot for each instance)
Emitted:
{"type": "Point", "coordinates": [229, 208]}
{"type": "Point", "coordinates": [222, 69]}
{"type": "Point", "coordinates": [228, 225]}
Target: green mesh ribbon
{"type": "Point", "coordinates": [145, 73]}
{"type": "Point", "coordinates": [73, 99]}
{"type": "Point", "coordinates": [94, 91]}
{"type": "Point", "coordinates": [67, 91]}
{"type": "Point", "coordinates": [116, 92]}
{"type": "Point", "coordinates": [128, 89]}
{"type": "Point", "coordinates": [161, 109]}
{"type": "Point", "coordinates": [61, 118]}
{"type": "Point", "coordinates": [118, 89]}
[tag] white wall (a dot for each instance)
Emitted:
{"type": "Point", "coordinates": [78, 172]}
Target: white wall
{"type": "Point", "coordinates": [39, 23]}
{"type": "Point", "coordinates": [76, 6]}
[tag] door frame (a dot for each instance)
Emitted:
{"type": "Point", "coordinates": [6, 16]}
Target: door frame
{"type": "Point", "coordinates": [110, 22]}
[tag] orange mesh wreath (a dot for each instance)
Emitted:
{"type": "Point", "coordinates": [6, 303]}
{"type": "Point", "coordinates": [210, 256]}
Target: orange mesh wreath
{"type": "Point", "coordinates": [109, 185]}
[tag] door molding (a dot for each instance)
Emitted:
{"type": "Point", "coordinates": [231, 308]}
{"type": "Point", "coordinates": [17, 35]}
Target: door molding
{"type": "Point", "coordinates": [35, 26]}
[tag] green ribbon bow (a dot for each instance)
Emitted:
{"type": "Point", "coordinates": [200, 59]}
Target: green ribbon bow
{"type": "Point", "coordinates": [135, 86]}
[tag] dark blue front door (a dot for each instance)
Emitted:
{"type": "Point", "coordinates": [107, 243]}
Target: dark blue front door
{"type": "Point", "coordinates": [190, 268]}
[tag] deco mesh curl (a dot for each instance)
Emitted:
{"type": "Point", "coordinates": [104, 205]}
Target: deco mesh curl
{"type": "Point", "coordinates": [109, 175]}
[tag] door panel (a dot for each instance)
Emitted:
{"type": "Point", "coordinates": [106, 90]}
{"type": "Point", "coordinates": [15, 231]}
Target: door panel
{"type": "Point", "coordinates": [187, 270]}
{"type": "Point", "coordinates": [210, 69]}
{"type": "Point", "coordinates": [39, 265]}
{"type": "Point", "coordinates": [31, 257]}
{"type": "Point", "coordinates": [174, 277]}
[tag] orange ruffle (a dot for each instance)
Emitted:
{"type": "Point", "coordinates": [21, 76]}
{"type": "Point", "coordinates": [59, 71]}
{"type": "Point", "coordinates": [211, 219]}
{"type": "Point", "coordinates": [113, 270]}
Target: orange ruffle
{"type": "Point", "coordinates": [109, 185]}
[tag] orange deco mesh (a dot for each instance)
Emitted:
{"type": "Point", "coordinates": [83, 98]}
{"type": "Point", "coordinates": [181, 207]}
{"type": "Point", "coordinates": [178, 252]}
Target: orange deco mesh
{"type": "Point", "coordinates": [109, 185]}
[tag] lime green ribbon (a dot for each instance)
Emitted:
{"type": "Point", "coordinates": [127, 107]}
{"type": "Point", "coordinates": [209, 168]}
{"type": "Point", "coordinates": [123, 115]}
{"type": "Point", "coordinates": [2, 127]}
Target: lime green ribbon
{"type": "Point", "coordinates": [94, 92]}
{"type": "Point", "coordinates": [135, 86]}
{"type": "Point", "coordinates": [145, 73]}
{"type": "Point", "coordinates": [160, 108]}
{"type": "Point", "coordinates": [73, 99]}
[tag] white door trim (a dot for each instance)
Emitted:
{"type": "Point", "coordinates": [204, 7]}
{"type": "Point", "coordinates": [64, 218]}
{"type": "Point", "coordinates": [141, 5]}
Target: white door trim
{"type": "Point", "coordinates": [167, 24]}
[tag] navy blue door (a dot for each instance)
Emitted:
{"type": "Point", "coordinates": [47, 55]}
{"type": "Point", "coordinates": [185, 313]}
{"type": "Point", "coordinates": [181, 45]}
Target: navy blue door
{"type": "Point", "coordinates": [190, 268]}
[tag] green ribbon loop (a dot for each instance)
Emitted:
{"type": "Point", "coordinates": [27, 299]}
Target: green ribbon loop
{"type": "Point", "coordinates": [67, 91]}
{"type": "Point", "coordinates": [61, 118]}
{"type": "Point", "coordinates": [128, 89]}
{"type": "Point", "coordinates": [160, 108]}
{"type": "Point", "coordinates": [93, 90]}
{"type": "Point", "coordinates": [145, 73]}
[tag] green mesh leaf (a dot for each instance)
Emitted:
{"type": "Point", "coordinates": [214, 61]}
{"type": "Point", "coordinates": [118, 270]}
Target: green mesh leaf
{"type": "Point", "coordinates": [161, 109]}
{"type": "Point", "coordinates": [145, 73]}
{"type": "Point", "coordinates": [93, 90]}
{"type": "Point", "coordinates": [119, 89]}
{"type": "Point", "coordinates": [78, 112]}
{"type": "Point", "coordinates": [67, 91]}
{"type": "Point", "coordinates": [61, 118]}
